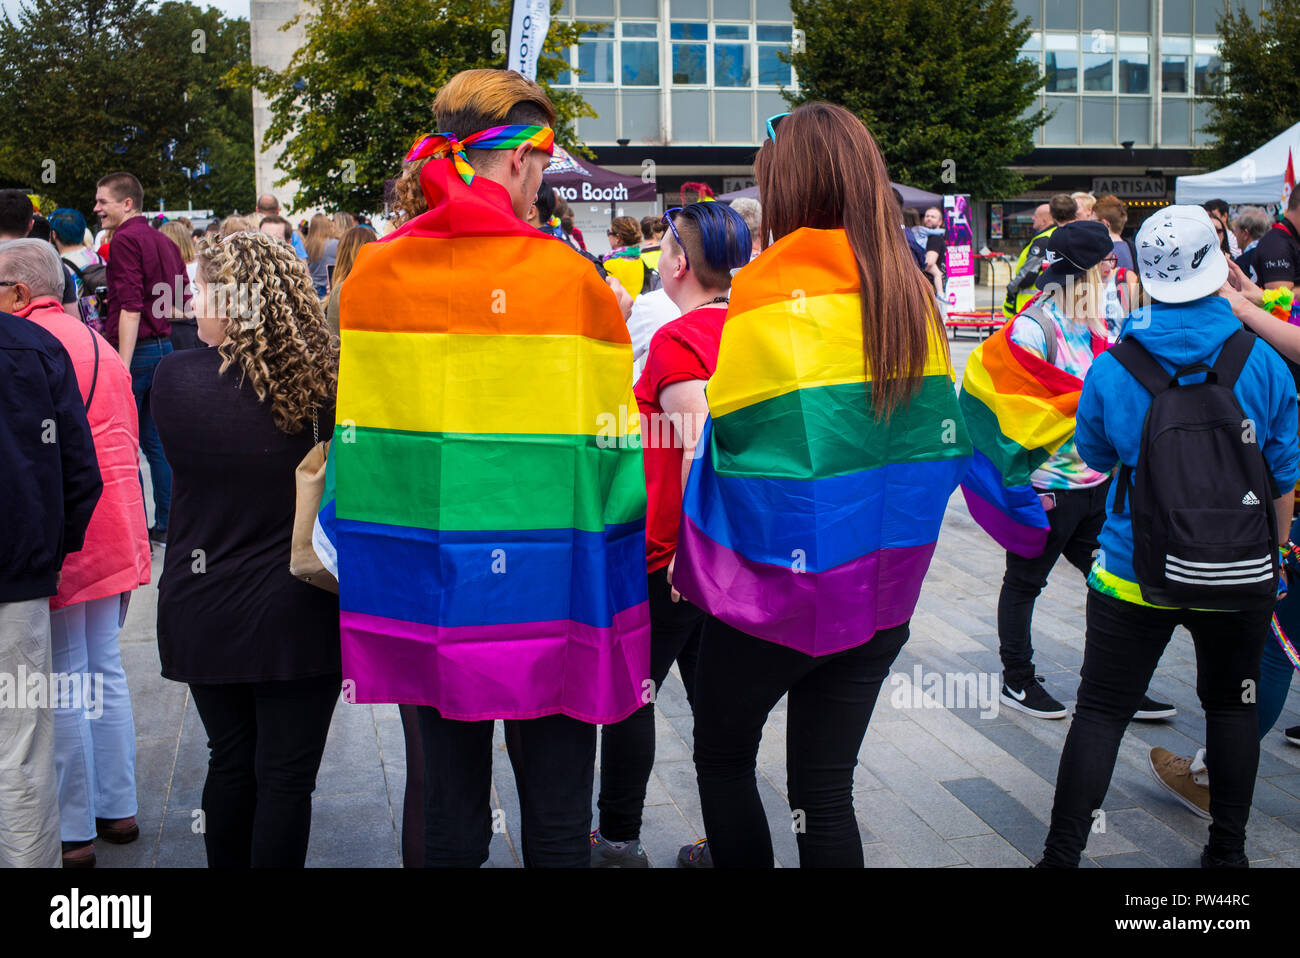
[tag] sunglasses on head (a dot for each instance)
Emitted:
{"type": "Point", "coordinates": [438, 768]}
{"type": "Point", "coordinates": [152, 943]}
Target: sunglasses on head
{"type": "Point", "coordinates": [772, 123]}
{"type": "Point", "coordinates": [677, 236]}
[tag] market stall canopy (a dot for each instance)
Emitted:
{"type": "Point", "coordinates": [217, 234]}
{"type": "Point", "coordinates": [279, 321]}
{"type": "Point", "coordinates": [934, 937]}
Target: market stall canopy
{"type": "Point", "coordinates": [581, 181]}
{"type": "Point", "coordinates": [1257, 177]}
{"type": "Point", "coordinates": [913, 199]}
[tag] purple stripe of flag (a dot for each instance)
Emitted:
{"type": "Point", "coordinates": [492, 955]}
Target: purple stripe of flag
{"type": "Point", "coordinates": [816, 613]}
{"type": "Point", "coordinates": [540, 668]}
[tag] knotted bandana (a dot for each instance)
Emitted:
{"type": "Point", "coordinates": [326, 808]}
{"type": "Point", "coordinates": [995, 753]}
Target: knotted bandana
{"type": "Point", "coordinates": [443, 145]}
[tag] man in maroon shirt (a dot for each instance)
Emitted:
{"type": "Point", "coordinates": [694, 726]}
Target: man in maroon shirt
{"type": "Point", "coordinates": [147, 288]}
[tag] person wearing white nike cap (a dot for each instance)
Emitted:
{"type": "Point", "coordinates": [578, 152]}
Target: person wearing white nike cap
{"type": "Point", "coordinates": [1183, 270]}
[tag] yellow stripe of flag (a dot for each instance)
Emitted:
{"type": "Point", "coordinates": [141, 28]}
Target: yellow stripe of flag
{"type": "Point", "coordinates": [447, 382]}
{"type": "Point", "coordinates": [1029, 421]}
{"type": "Point", "coordinates": [801, 343]}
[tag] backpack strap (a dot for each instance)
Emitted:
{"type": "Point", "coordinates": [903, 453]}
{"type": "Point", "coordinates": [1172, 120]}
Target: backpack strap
{"type": "Point", "coordinates": [1151, 376]}
{"type": "Point", "coordinates": [1232, 357]}
{"type": "Point", "coordinates": [94, 379]}
{"type": "Point", "coordinates": [72, 266]}
{"type": "Point", "coordinates": [1039, 316]}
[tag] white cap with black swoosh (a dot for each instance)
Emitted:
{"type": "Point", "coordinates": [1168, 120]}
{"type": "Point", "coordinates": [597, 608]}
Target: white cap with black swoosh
{"type": "Point", "coordinates": [1178, 255]}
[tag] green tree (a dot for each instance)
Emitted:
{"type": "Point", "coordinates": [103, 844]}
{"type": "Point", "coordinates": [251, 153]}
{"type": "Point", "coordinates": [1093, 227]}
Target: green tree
{"type": "Point", "coordinates": [94, 86]}
{"type": "Point", "coordinates": [1261, 94]}
{"type": "Point", "coordinates": [361, 88]}
{"type": "Point", "coordinates": [938, 82]}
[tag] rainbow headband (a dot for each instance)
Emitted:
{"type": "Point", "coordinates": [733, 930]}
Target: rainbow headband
{"type": "Point", "coordinates": [442, 145]}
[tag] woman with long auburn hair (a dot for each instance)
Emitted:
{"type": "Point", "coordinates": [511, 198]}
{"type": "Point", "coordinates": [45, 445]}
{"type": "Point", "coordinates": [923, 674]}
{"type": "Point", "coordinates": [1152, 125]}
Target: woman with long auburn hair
{"type": "Point", "coordinates": [258, 648]}
{"type": "Point", "coordinates": [810, 518]}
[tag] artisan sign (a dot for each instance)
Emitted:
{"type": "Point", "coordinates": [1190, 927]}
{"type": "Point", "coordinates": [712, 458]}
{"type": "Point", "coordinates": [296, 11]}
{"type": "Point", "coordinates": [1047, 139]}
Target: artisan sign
{"type": "Point", "coordinates": [1136, 187]}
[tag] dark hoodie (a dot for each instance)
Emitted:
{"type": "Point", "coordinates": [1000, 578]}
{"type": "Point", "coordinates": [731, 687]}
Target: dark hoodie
{"type": "Point", "coordinates": [48, 468]}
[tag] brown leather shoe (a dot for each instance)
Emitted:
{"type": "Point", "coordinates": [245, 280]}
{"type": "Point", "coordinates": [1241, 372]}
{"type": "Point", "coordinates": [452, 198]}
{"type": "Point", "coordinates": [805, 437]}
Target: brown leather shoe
{"type": "Point", "coordinates": [117, 831]}
{"type": "Point", "coordinates": [1175, 773]}
{"type": "Point", "coordinates": [78, 855]}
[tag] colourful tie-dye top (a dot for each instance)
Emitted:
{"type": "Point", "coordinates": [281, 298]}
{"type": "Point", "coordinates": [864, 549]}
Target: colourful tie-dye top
{"type": "Point", "coordinates": [1064, 470]}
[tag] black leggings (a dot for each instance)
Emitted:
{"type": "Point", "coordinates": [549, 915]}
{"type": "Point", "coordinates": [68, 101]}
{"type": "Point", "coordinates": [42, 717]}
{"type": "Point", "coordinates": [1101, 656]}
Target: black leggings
{"type": "Point", "coordinates": [1122, 645]}
{"type": "Point", "coordinates": [266, 740]}
{"type": "Point", "coordinates": [413, 796]}
{"type": "Point", "coordinates": [831, 697]}
{"type": "Point", "coordinates": [554, 759]}
{"type": "Point", "coordinates": [1075, 523]}
{"type": "Point", "coordinates": [627, 750]}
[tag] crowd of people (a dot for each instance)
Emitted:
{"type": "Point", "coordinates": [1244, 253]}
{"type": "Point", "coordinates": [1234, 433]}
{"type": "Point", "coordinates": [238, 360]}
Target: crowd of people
{"type": "Point", "coordinates": [550, 476]}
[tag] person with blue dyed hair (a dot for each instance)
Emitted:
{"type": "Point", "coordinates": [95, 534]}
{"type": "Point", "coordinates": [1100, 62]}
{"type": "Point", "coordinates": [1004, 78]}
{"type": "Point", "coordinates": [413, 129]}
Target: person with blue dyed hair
{"type": "Point", "coordinates": [704, 243]}
{"type": "Point", "coordinates": [69, 238]}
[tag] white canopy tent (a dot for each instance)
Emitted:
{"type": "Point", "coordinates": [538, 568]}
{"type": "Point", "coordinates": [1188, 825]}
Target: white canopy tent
{"type": "Point", "coordinates": [1255, 178]}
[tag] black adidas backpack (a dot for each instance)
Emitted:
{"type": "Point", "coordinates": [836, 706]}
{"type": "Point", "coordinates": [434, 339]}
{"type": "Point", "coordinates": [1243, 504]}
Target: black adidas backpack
{"type": "Point", "coordinates": [1201, 497]}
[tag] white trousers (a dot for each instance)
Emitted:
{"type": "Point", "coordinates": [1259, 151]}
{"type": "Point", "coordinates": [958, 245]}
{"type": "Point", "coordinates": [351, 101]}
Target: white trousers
{"type": "Point", "coordinates": [94, 728]}
{"type": "Point", "coordinates": [29, 796]}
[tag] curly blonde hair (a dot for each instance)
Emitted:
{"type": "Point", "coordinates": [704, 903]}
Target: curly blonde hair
{"type": "Point", "coordinates": [276, 332]}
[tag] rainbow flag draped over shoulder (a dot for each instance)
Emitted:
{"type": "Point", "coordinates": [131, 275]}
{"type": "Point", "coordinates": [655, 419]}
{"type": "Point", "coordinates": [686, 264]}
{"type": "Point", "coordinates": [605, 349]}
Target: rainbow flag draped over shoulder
{"type": "Point", "coordinates": [489, 501]}
{"type": "Point", "coordinates": [806, 521]}
{"type": "Point", "coordinates": [1019, 410]}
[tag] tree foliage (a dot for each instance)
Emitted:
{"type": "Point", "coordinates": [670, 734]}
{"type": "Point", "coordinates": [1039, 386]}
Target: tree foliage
{"type": "Point", "coordinates": [361, 88]}
{"type": "Point", "coordinates": [1261, 95]}
{"type": "Point", "coordinates": [938, 82]}
{"type": "Point", "coordinates": [93, 86]}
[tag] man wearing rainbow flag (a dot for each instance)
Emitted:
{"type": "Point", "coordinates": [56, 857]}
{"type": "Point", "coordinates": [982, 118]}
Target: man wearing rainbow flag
{"type": "Point", "coordinates": [490, 543]}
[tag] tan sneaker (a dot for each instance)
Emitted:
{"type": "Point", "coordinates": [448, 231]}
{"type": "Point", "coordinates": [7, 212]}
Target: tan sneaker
{"type": "Point", "coordinates": [1175, 773]}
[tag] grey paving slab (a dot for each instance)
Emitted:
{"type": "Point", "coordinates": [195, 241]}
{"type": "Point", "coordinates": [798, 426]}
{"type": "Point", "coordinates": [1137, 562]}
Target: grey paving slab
{"type": "Point", "coordinates": [1027, 748]}
{"type": "Point", "coordinates": [352, 831]}
{"type": "Point", "coordinates": [880, 855]}
{"type": "Point", "coordinates": [1128, 860]}
{"type": "Point", "coordinates": [1154, 837]}
{"type": "Point", "coordinates": [903, 830]}
{"type": "Point", "coordinates": [1006, 816]}
{"type": "Point", "coordinates": [935, 805]}
{"type": "Point", "coordinates": [989, 851]}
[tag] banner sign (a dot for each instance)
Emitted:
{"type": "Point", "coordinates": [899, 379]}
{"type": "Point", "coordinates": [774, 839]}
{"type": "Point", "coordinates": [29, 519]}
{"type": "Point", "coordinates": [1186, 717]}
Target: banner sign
{"type": "Point", "coordinates": [1130, 187]}
{"type": "Point", "coordinates": [960, 264]}
{"type": "Point", "coordinates": [531, 20]}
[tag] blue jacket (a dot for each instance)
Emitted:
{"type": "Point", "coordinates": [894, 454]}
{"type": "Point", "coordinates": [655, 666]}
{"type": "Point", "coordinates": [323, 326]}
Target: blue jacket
{"type": "Point", "coordinates": [48, 469]}
{"type": "Point", "coordinates": [1113, 407]}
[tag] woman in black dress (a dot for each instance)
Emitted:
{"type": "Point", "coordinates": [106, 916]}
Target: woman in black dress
{"type": "Point", "coordinates": [258, 648]}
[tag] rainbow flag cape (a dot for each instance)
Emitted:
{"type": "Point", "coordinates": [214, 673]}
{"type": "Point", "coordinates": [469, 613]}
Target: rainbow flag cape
{"type": "Point", "coordinates": [805, 521]}
{"type": "Point", "coordinates": [1019, 410]}
{"type": "Point", "coordinates": [488, 507]}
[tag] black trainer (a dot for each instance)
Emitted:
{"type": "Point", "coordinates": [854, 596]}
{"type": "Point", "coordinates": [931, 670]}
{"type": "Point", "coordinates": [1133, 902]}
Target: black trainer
{"type": "Point", "coordinates": [695, 855]}
{"type": "Point", "coordinates": [1293, 735]}
{"type": "Point", "coordinates": [1150, 710]}
{"type": "Point", "coordinates": [158, 536]}
{"type": "Point", "coordinates": [1032, 699]}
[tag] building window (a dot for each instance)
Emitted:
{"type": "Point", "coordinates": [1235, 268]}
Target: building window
{"type": "Point", "coordinates": [1062, 63]}
{"type": "Point", "coordinates": [640, 53]}
{"type": "Point", "coordinates": [1173, 65]}
{"type": "Point", "coordinates": [1134, 65]}
{"type": "Point", "coordinates": [731, 55]}
{"type": "Point", "coordinates": [596, 54]}
{"type": "Point", "coordinates": [1208, 68]}
{"type": "Point", "coordinates": [772, 42]}
{"type": "Point", "coordinates": [690, 59]}
{"type": "Point", "coordinates": [1098, 72]}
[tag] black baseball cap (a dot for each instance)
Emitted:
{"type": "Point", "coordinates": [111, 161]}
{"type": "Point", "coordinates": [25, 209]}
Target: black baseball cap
{"type": "Point", "coordinates": [1072, 250]}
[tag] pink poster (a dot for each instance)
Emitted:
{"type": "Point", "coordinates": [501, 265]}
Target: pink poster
{"type": "Point", "coordinates": [960, 265]}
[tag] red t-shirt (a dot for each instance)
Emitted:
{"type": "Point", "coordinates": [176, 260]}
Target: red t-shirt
{"type": "Point", "coordinates": [685, 348]}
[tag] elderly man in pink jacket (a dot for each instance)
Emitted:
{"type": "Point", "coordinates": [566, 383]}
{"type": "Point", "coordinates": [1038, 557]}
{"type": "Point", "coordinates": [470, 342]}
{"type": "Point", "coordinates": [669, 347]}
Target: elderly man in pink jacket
{"type": "Point", "coordinates": [94, 729]}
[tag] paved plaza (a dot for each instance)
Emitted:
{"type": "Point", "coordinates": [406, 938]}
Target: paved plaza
{"type": "Point", "coordinates": [934, 787]}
